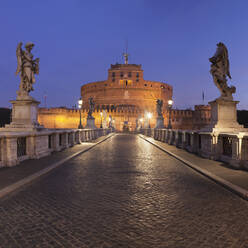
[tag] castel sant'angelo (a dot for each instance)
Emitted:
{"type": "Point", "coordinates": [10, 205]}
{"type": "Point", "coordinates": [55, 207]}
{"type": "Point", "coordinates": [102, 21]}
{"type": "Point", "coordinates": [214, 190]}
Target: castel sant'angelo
{"type": "Point", "coordinates": [126, 99]}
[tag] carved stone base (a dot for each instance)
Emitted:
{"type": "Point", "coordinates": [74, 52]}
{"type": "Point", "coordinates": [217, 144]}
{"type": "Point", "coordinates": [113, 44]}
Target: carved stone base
{"type": "Point", "coordinates": [104, 124]}
{"type": "Point", "coordinates": [24, 116]}
{"type": "Point", "coordinates": [160, 122]}
{"type": "Point", "coordinates": [224, 117]}
{"type": "Point", "coordinates": [90, 123]}
{"type": "Point", "coordinates": [23, 95]}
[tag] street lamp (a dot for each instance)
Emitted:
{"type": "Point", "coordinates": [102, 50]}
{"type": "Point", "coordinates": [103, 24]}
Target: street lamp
{"type": "Point", "coordinates": [80, 103]}
{"type": "Point", "coordinates": [149, 116]}
{"type": "Point", "coordinates": [170, 102]}
{"type": "Point", "coordinates": [101, 120]}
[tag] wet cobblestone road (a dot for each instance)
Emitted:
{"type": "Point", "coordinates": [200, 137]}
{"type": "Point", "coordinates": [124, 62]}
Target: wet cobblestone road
{"type": "Point", "coordinates": [123, 193]}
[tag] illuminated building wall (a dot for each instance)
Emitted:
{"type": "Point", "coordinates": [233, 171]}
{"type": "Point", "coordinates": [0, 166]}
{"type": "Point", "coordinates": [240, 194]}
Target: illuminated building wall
{"type": "Point", "coordinates": [126, 97]}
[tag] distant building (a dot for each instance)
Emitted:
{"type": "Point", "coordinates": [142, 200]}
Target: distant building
{"type": "Point", "coordinates": [126, 97]}
{"type": "Point", "coordinates": [191, 119]}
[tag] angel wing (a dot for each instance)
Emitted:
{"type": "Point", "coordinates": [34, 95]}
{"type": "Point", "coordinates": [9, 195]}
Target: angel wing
{"type": "Point", "coordinates": [37, 66]}
{"type": "Point", "coordinates": [19, 53]}
{"type": "Point", "coordinates": [226, 62]}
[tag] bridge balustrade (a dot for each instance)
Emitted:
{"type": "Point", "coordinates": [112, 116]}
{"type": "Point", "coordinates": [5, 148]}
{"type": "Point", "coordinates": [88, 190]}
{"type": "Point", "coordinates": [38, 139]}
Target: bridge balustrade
{"type": "Point", "coordinates": [18, 146]}
{"type": "Point", "coordinates": [231, 148]}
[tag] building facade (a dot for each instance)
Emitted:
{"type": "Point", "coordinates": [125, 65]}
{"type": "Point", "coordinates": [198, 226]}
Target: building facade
{"type": "Point", "coordinates": [125, 98]}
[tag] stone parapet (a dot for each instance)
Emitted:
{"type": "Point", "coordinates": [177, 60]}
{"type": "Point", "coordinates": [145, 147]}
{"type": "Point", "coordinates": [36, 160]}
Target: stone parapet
{"type": "Point", "coordinates": [231, 148]}
{"type": "Point", "coordinates": [18, 146]}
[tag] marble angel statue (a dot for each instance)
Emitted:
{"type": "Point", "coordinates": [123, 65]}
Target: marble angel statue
{"type": "Point", "coordinates": [220, 71]}
{"type": "Point", "coordinates": [27, 67]}
{"type": "Point", "coordinates": [159, 106]}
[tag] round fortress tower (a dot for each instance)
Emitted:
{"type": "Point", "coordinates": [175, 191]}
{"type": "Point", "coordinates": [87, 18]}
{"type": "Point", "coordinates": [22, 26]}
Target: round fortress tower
{"type": "Point", "coordinates": [125, 97]}
{"type": "Point", "coordinates": [126, 86]}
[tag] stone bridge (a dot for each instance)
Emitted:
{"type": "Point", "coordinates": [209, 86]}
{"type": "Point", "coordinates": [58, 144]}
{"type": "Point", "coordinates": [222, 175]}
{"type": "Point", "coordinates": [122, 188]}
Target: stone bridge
{"type": "Point", "coordinates": [122, 190]}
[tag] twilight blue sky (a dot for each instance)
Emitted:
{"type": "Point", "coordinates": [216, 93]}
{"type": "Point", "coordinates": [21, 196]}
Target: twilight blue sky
{"type": "Point", "coordinates": [77, 40]}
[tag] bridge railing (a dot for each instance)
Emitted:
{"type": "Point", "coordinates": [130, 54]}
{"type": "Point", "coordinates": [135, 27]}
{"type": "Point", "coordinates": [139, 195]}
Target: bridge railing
{"type": "Point", "coordinates": [18, 146]}
{"type": "Point", "coordinates": [231, 148]}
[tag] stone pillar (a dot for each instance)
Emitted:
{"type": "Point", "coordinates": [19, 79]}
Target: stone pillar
{"type": "Point", "coordinates": [192, 142]}
{"type": "Point", "coordinates": [77, 137]}
{"type": "Point", "coordinates": [156, 134]}
{"type": "Point", "coordinates": [84, 137]}
{"type": "Point", "coordinates": [10, 152]}
{"type": "Point", "coordinates": [87, 135]}
{"type": "Point", "coordinates": [216, 147]}
{"type": "Point", "coordinates": [240, 154]}
{"type": "Point", "coordinates": [172, 137]}
{"type": "Point", "coordinates": [96, 133]}
{"type": "Point", "coordinates": [160, 134]}
{"type": "Point", "coordinates": [56, 146]}
{"type": "Point", "coordinates": [65, 140]}
{"type": "Point", "coordinates": [31, 145]}
{"type": "Point", "coordinates": [41, 145]}
{"type": "Point", "coordinates": [73, 142]}
{"type": "Point", "coordinates": [184, 141]}
{"type": "Point", "coordinates": [176, 142]}
{"type": "Point", "coordinates": [167, 135]}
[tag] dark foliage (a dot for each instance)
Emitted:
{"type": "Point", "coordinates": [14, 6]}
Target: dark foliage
{"type": "Point", "coordinates": [5, 116]}
{"type": "Point", "coordinates": [242, 117]}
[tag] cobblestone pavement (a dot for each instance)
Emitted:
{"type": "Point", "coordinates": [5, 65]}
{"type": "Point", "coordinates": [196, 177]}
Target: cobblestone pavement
{"type": "Point", "coordinates": [123, 193]}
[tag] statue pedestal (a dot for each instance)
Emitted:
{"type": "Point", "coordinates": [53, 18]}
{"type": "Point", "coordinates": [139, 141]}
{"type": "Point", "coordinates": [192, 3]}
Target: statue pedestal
{"type": "Point", "coordinates": [24, 116]}
{"type": "Point", "coordinates": [223, 117]}
{"type": "Point", "coordinates": [90, 123]}
{"type": "Point", "coordinates": [104, 124]}
{"type": "Point", "coordinates": [160, 122]}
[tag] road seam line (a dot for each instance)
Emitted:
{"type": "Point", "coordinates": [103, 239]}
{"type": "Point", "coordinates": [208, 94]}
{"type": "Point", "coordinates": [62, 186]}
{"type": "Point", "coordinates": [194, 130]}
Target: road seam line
{"type": "Point", "coordinates": [11, 188]}
{"type": "Point", "coordinates": [232, 187]}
